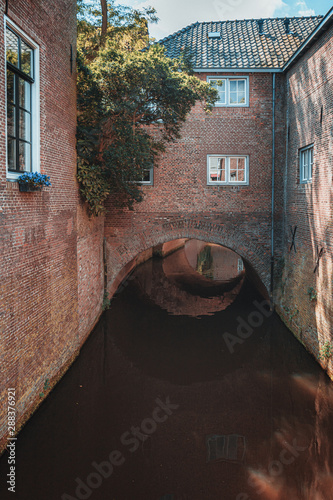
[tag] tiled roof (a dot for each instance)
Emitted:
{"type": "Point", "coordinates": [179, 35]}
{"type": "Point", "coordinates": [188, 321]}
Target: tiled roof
{"type": "Point", "coordinates": [240, 45]}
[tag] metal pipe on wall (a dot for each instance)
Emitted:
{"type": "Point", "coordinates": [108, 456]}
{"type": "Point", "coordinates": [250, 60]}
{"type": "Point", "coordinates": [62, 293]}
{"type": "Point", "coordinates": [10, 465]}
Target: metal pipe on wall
{"type": "Point", "coordinates": [273, 187]}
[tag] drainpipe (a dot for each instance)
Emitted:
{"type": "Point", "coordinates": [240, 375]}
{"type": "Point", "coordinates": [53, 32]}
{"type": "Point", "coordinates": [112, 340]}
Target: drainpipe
{"type": "Point", "coordinates": [273, 186]}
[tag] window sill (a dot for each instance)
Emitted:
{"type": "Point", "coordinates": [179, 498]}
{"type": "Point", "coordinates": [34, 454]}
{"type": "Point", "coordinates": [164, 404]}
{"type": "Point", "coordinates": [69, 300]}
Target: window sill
{"type": "Point", "coordinates": [233, 106]}
{"type": "Point", "coordinates": [228, 185]}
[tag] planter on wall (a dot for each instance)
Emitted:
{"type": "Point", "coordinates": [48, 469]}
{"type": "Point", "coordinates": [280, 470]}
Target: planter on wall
{"type": "Point", "coordinates": [29, 188]}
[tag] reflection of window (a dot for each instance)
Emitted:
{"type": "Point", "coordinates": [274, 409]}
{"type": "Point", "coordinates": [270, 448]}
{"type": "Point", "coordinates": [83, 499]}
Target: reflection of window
{"type": "Point", "coordinates": [232, 91]}
{"type": "Point", "coordinates": [240, 265]}
{"type": "Point", "coordinates": [227, 169]}
{"type": "Point", "coordinates": [20, 84]}
{"type": "Point", "coordinates": [306, 164]}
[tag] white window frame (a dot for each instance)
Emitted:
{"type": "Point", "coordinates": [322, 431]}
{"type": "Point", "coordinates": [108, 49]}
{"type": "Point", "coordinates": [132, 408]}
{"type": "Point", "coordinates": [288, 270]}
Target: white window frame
{"type": "Point", "coordinates": [35, 101]}
{"type": "Point", "coordinates": [227, 182]}
{"type": "Point", "coordinates": [228, 79]}
{"type": "Point", "coordinates": [151, 178]}
{"type": "Point", "coordinates": [303, 152]}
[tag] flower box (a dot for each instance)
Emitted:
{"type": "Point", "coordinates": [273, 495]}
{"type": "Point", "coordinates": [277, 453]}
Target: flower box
{"type": "Point", "coordinates": [32, 181]}
{"type": "Point", "coordinates": [28, 188]}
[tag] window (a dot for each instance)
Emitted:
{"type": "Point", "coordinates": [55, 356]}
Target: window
{"type": "Point", "coordinates": [231, 170]}
{"type": "Point", "coordinates": [232, 91]}
{"type": "Point", "coordinates": [147, 176]}
{"type": "Point", "coordinates": [22, 117]}
{"type": "Point", "coordinates": [306, 164]}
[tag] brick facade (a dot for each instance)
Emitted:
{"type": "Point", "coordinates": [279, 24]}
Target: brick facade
{"type": "Point", "coordinates": [48, 305]}
{"type": "Point", "coordinates": [180, 204]}
{"type": "Point", "coordinates": [309, 206]}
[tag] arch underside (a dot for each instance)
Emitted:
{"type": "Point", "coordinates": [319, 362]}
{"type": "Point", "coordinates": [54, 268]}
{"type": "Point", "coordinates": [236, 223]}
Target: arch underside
{"type": "Point", "coordinates": [125, 247]}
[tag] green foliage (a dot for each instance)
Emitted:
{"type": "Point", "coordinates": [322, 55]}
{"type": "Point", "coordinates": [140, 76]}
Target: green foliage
{"type": "Point", "coordinates": [106, 302]}
{"type": "Point", "coordinates": [205, 262]}
{"type": "Point", "coordinates": [45, 388]}
{"type": "Point", "coordinates": [312, 293]}
{"type": "Point", "coordinates": [132, 101]}
{"type": "Point", "coordinates": [326, 351]}
{"type": "Point", "coordinates": [93, 187]}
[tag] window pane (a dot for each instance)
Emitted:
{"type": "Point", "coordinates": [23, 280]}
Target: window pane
{"type": "Point", "coordinates": [216, 169]}
{"type": "Point", "coordinates": [11, 154]}
{"type": "Point", "coordinates": [10, 86]}
{"type": "Point", "coordinates": [12, 47]}
{"type": "Point", "coordinates": [24, 125]}
{"type": "Point", "coordinates": [26, 58]}
{"type": "Point", "coordinates": [11, 120]}
{"type": "Point", "coordinates": [220, 86]}
{"type": "Point", "coordinates": [233, 86]}
{"type": "Point", "coordinates": [233, 98]}
{"type": "Point", "coordinates": [221, 176]}
{"type": "Point", "coordinates": [241, 175]}
{"type": "Point", "coordinates": [24, 92]}
{"type": "Point", "coordinates": [221, 170]}
{"type": "Point", "coordinates": [311, 163]}
{"type": "Point", "coordinates": [146, 176]}
{"type": "Point", "coordinates": [24, 156]}
{"type": "Point", "coordinates": [233, 175]}
{"type": "Point", "coordinates": [241, 86]}
{"type": "Point", "coordinates": [305, 165]}
{"type": "Point", "coordinates": [233, 163]}
{"type": "Point", "coordinates": [241, 97]}
{"type": "Point", "coordinates": [241, 163]}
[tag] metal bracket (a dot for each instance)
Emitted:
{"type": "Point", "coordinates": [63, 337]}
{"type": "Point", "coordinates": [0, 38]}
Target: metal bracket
{"type": "Point", "coordinates": [320, 253]}
{"type": "Point", "coordinates": [293, 234]}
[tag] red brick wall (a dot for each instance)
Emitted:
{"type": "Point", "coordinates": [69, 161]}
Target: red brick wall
{"type": "Point", "coordinates": [47, 303]}
{"type": "Point", "coordinates": [237, 217]}
{"type": "Point", "coordinates": [309, 206]}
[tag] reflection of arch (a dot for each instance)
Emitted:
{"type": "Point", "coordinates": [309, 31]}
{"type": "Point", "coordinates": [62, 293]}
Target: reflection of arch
{"type": "Point", "coordinates": [125, 249]}
{"type": "Point", "coordinates": [164, 287]}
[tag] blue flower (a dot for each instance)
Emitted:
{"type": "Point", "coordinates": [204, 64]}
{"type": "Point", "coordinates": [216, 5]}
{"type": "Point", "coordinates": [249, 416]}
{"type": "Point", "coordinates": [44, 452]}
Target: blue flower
{"type": "Point", "coordinates": [34, 178]}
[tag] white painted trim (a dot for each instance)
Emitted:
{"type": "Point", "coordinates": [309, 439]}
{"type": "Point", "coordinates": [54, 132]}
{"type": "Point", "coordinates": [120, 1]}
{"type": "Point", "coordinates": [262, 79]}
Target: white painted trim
{"type": "Point", "coordinates": [35, 101]}
{"type": "Point", "coordinates": [150, 182]}
{"type": "Point", "coordinates": [228, 79]}
{"type": "Point", "coordinates": [228, 156]}
{"type": "Point", "coordinates": [301, 167]}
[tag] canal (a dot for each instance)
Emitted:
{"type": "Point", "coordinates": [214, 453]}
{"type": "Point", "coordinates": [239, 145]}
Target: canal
{"type": "Point", "coordinates": [189, 388]}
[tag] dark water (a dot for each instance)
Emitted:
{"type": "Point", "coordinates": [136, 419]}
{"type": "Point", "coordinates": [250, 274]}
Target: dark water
{"type": "Point", "coordinates": [182, 410]}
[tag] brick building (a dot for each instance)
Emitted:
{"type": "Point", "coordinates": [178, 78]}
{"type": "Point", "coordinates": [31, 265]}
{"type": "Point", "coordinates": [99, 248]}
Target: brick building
{"type": "Point", "coordinates": [255, 175]}
{"type": "Point", "coordinates": [50, 252]}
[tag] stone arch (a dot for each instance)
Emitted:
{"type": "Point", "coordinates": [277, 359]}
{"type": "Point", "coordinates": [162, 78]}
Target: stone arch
{"type": "Point", "coordinates": [121, 251]}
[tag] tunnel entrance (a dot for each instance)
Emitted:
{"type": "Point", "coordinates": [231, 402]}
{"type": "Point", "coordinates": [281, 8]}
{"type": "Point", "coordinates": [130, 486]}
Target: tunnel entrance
{"type": "Point", "coordinates": [194, 270]}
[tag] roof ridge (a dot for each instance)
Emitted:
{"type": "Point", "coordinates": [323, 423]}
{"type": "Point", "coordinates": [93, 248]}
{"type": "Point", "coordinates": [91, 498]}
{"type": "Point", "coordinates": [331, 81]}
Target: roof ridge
{"type": "Point", "coordinates": [196, 23]}
{"type": "Point", "coordinates": [260, 19]}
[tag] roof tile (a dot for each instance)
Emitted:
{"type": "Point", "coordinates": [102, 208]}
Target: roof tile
{"type": "Point", "coordinates": [241, 46]}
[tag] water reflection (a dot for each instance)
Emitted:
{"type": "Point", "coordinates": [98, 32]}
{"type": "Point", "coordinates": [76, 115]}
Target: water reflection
{"type": "Point", "coordinates": [160, 389]}
{"type": "Point", "coordinates": [175, 284]}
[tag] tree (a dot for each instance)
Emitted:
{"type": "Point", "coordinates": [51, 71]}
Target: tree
{"type": "Point", "coordinates": [132, 101]}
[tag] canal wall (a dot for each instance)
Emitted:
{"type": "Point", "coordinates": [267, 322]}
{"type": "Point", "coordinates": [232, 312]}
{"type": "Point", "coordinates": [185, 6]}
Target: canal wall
{"type": "Point", "coordinates": [304, 297]}
{"type": "Point", "coordinates": [51, 258]}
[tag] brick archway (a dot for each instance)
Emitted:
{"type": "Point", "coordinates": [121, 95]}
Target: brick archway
{"type": "Point", "coordinates": [121, 250]}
